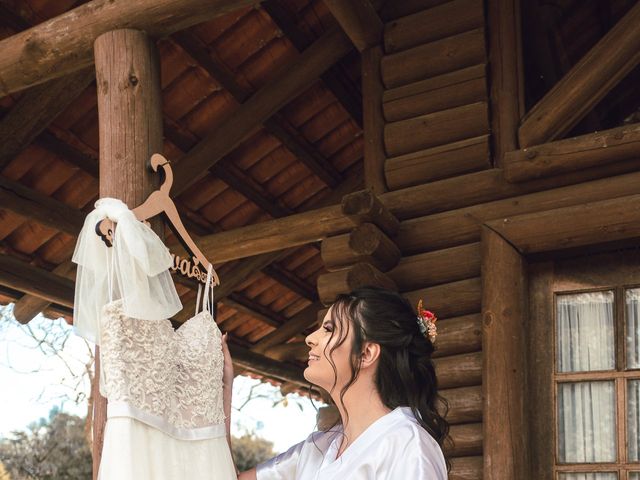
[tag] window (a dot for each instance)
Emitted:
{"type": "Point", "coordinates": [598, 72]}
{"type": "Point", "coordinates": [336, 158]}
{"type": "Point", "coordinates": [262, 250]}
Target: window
{"type": "Point", "coordinates": [584, 357]}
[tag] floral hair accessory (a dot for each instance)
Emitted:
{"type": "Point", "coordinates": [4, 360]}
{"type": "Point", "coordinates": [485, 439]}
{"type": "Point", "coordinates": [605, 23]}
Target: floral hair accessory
{"type": "Point", "coordinates": [427, 322]}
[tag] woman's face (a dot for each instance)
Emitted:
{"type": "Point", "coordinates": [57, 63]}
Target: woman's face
{"type": "Point", "coordinates": [321, 342]}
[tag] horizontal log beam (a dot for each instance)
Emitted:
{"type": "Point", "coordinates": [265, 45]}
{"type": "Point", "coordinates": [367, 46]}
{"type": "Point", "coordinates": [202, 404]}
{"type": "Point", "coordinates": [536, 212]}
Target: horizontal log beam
{"type": "Point", "coordinates": [435, 129]}
{"type": "Point", "coordinates": [465, 440]}
{"type": "Point", "coordinates": [359, 21]}
{"type": "Point", "coordinates": [575, 153]}
{"type": "Point", "coordinates": [39, 207]}
{"type": "Point", "coordinates": [467, 295]}
{"type": "Point", "coordinates": [434, 58]}
{"type": "Point", "coordinates": [64, 44]}
{"type": "Point", "coordinates": [27, 278]}
{"type": "Point", "coordinates": [466, 468]}
{"type": "Point", "coordinates": [440, 266]}
{"type": "Point", "coordinates": [449, 90]}
{"type": "Point", "coordinates": [570, 227]}
{"type": "Point", "coordinates": [437, 163]}
{"type": "Point", "coordinates": [290, 81]}
{"type": "Point", "coordinates": [330, 285]}
{"type": "Point", "coordinates": [464, 404]}
{"type": "Point", "coordinates": [275, 235]}
{"type": "Point", "coordinates": [366, 243]}
{"type": "Point", "coordinates": [608, 62]}
{"type": "Point", "coordinates": [430, 24]}
{"type": "Point", "coordinates": [459, 335]}
{"type": "Point", "coordinates": [461, 226]}
{"type": "Point", "coordinates": [459, 370]}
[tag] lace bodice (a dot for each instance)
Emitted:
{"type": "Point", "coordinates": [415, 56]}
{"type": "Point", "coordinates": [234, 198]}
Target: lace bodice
{"type": "Point", "coordinates": [172, 377]}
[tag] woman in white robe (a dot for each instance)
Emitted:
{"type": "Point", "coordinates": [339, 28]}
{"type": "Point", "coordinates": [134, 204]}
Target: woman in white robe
{"type": "Point", "coordinates": [373, 355]}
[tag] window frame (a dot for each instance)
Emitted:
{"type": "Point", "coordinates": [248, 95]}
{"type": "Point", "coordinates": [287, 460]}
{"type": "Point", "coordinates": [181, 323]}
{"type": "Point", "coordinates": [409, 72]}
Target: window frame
{"type": "Point", "coordinates": [615, 272]}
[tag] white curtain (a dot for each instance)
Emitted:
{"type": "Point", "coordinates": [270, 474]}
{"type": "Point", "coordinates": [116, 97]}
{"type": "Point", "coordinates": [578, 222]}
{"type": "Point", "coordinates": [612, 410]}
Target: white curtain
{"type": "Point", "coordinates": [586, 422]}
{"type": "Point", "coordinates": [633, 420]}
{"type": "Point", "coordinates": [634, 475]}
{"type": "Point", "coordinates": [585, 334]}
{"type": "Point", "coordinates": [590, 476]}
{"type": "Point", "coordinates": [632, 299]}
{"type": "Point", "coordinates": [586, 410]}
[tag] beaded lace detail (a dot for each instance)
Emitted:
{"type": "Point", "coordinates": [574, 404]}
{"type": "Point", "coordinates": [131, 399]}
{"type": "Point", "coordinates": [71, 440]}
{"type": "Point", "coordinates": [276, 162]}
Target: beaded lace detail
{"type": "Point", "coordinates": [175, 375]}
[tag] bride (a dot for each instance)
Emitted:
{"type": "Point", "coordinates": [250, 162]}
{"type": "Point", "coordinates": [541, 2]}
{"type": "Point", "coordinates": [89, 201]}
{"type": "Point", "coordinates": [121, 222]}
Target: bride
{"type": "Point", "coordinates": [373, 356]}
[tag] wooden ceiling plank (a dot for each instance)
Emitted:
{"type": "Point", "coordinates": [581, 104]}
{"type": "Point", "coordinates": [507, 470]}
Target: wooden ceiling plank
{"type": "Point", "coordinates": [291, 281]}
{"type": "Point", "coordinates": [333, 78]}
{"type": "Point", "coordinates": [295, 325]}
{"type": "Point", "coordinates": [64, 44]}
{"type": "Point", "coordinates": [276, 125]}
{"type": "Point", "coordinates": [35, 111]}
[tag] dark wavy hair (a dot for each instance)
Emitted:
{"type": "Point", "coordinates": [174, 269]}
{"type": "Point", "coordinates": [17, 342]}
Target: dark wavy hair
{"type": "Point", "coordinates": [405, 375]}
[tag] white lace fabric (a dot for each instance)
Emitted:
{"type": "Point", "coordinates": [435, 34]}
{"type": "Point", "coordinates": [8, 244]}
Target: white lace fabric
{"type": "Point", "coordinates": [169, 379]}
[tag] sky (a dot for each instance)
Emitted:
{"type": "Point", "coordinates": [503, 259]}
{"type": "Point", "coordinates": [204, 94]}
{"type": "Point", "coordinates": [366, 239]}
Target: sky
{"type": "Point", "coordinates": [33, 380]}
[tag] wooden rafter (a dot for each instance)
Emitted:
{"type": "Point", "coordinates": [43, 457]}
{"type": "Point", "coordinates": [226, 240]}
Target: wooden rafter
{"type": "Point", "coordinates": [291, 80]}
{"type": "Point", "coordinates": [291, 281]}
{"type": "Point", "coordinates": [27, 278]}
{"type": "Point", "coordinates": [333, 78]}
{"type": "Point", "coordinates": [36, 109]}
{"type": "Point", "coordinates": [296, 324]}
{"type": "Point", "coordinates": [39, 207]}
{"type": "Point", "coordinates": [359, 20]}
{"type": "Point", "coordinates": [276, 125]}
{"type": "Point", "coordinates": [64, 44]}
{"type": "Point", "coordinates": [585, 84]}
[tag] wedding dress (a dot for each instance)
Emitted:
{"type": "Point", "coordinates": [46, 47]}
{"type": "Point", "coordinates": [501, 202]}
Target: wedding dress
{"type": "Point", "coordinates": [165, 417]}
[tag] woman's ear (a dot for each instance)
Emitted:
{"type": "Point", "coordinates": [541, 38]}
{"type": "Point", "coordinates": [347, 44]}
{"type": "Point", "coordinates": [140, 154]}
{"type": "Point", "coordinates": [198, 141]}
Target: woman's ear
{"type": "Point", "coordinates": [370, 354]}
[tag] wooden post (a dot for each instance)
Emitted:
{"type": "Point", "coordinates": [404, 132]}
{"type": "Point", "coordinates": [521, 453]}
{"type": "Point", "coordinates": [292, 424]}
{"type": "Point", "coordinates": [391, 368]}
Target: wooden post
{"type": "Point", "coordinates": [130, 123]}
{"type": "Point", "coordinates": [505, 60]}
{"type": "Point", "coordinates": [372, 90]}
{"type": "Point", "coordinates": [504, 300]}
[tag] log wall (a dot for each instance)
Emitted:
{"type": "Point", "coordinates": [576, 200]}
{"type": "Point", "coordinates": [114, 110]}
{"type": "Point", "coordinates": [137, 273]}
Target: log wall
{"type": "Point", "coordinates": [441, 169]}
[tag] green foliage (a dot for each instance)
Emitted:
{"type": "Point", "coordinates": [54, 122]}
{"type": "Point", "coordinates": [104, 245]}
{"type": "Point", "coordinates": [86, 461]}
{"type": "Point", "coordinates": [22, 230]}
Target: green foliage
{"type": "Point", "coordinates": [249, 450]}
{"type": "Point", "coordinates": [53, 448]}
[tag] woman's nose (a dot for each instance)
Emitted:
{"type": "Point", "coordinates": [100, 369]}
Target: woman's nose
{"type": "Point", "coordinates": [309, 340]}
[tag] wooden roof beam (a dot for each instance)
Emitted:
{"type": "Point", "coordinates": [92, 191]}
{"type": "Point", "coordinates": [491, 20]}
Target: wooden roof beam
{"type": "Point", "coordinates": [359, 20]}
{"type": "Point", "coordinates": [291, 281]}
{"type": "Point", "coordinates": [39, 207]}
{"type": "Point", "coordinates": [335, 80]}
{"type": "Point", "coordinates": [295, 325]}
{"type": "Point", "coordinates": [584, 151]}
{"type": "Point", "coordinates": [35, 111]}
{"type": "Point", "coordinates": [64, 44]}
{"type": "Point", "coordinates": [276, 125]}
{"type": "Point", "coordinates": [27, 278]}
{"type": "Point", "coordinates": [608, 62]}
{"type": "Point", "coordinates": [291, 80]}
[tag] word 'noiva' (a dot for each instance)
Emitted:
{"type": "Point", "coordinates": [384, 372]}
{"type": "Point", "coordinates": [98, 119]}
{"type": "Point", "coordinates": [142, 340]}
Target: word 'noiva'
{"type": "Point", "coordinates": [188, 268]}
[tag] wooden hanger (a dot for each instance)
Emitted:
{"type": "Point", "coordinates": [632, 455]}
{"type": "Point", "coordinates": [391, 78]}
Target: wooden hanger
{"type": "Point", "coordinates": [159, 202]}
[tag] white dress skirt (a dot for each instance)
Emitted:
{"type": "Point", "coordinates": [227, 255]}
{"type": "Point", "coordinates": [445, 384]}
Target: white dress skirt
{"type": "Point", "coordinates": [393, 447]}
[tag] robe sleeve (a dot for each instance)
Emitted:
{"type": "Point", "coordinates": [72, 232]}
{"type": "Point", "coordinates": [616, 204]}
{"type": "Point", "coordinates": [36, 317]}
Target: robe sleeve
{"type": "Point", "coordinates": [281, 467]}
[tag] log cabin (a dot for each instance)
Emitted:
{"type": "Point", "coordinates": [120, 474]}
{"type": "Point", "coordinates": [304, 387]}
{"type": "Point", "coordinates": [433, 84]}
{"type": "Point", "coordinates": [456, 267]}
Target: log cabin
{"type": "Point", "coordinates": [481, 155]}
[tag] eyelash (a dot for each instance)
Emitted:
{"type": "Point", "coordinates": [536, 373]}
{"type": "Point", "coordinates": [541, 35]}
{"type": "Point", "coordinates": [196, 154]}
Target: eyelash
{"type": "Point", "coordinates": [327, 328]}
